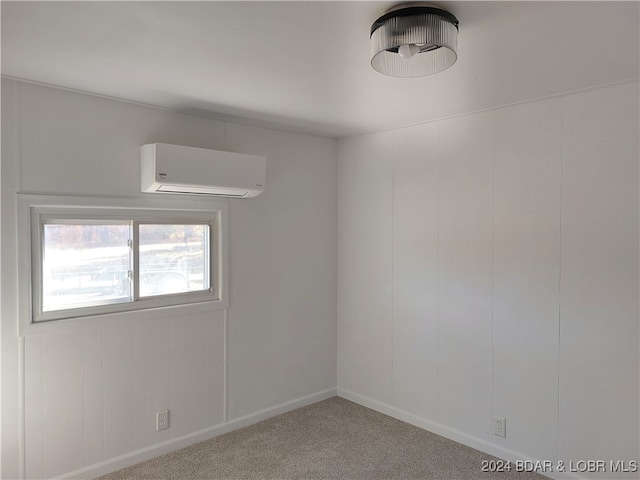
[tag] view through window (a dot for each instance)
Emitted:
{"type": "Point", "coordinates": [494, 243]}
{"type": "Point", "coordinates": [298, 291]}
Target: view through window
{"type": "Point", "coordinates": [93, 264]}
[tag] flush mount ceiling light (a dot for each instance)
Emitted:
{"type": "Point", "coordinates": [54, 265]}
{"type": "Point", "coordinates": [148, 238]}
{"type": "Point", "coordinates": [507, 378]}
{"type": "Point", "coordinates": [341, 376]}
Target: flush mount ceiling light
{"type": "Point", "coordinates": [414, 40]}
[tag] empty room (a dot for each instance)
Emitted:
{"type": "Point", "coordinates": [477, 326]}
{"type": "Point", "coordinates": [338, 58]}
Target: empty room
{"type": "Point", "coordinates": [320, 240]}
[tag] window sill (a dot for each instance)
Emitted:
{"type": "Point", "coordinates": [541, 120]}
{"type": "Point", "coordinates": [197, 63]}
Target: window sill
{"type": "Point", "coordinates": [37, 328]}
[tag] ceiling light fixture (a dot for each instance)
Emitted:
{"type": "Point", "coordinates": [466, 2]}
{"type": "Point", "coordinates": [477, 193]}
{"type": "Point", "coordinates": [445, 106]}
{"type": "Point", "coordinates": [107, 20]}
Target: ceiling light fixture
{"type": "Point", "coordinates": [414, 40]}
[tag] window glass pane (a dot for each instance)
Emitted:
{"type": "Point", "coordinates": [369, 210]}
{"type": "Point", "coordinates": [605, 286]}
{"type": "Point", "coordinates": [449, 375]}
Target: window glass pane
{"type": "Point", "coordinates": [173, 258]}
{"type": "Point", "coordinates": [84, 265]}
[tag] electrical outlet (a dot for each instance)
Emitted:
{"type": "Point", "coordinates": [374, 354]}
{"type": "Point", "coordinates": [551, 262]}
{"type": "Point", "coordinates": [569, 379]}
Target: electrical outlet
{"type": "Point", "coordinates": [500, 426]}
{"type": "Point", "coordinates": [162, 420]}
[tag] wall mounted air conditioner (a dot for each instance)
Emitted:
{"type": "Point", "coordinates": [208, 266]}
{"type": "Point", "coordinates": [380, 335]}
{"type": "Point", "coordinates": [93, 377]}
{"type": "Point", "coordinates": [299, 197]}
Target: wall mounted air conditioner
{"type": "Point", "coordinates": [168, 168]}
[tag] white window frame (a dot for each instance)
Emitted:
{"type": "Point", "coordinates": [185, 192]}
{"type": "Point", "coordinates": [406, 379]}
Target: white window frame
{"type": "Point", "coordinates": [35, 209]}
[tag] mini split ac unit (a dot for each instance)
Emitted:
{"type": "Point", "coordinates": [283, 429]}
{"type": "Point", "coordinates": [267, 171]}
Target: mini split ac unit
{"type": "Point", "coordinates": [168, 168]}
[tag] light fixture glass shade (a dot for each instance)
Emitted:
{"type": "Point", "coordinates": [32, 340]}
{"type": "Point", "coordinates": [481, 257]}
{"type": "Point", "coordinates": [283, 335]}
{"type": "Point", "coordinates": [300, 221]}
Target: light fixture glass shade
{"type": "Point", "coordinates": [432, 30]}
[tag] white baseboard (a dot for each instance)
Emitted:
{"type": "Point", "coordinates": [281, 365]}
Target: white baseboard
{"type": "Point", "coordinates": [153, 451]}
{"type": "Point", "coordinates": [450, 433]}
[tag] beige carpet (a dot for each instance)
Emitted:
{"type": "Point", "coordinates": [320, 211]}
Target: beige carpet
{"type": "Point", "coordinates": [332, 439]}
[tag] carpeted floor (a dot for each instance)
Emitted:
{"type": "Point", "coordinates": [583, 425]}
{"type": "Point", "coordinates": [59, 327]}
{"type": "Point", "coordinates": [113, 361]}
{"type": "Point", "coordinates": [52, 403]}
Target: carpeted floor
{"type": "Point", "coordinates": [332, 439]}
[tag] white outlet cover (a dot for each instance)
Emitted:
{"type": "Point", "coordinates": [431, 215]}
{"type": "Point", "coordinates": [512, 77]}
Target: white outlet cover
{"type": "Point", "coordinates": [500, 426]}
{"type": "Point", "coordinates": [162, 420]}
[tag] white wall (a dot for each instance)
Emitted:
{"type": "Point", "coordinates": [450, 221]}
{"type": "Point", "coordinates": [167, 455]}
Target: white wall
{"type": "Point", "coordinates": [488, 265]}
{"type": "Point", "coordinates": [87, 395]}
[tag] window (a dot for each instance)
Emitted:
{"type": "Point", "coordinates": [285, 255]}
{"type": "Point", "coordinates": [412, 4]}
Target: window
{"type": "Point", "coordinates": [173, 258]}
{"type": "Point", "coordinates": [84, 264]}
{"type": "Point", "coordinates": [91, 261]}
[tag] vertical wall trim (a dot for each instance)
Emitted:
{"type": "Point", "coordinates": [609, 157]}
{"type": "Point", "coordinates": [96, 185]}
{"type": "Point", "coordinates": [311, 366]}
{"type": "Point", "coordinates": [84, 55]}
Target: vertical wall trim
{"type": "Point", "coordinates": [562, 137]}
{"type": "Point", "coordinates": [193, 372]}
{"type": "Point", "coordinates": [134, 328]}
{"type": "Point", "coordinates": [171, 360]}
{"type": "Point", "coordinates": [22, 460]}
{"type": "Point", "coordinates": [84, 392]}
{"type": "Point", "coordinates": [104, 436]}
{"type": "Point", "coordinates": [1, 297]}
{"type": "Point", "coordinates": [439, 161]}
{"type": "Point", "coordinates": [393, 222]}
{"type": "Point", "coordinates": [493, 268]}
{"type": "Point", "coordinates": [39, 146]}
{"type": "Point", "coordinates": [225, 371]}
{"type": "Point", "coordinates": [42, 432]}
{"type": "Point", "coordinates": [18, 158]}
{"type": "Point", "coordinates": [22, 440]}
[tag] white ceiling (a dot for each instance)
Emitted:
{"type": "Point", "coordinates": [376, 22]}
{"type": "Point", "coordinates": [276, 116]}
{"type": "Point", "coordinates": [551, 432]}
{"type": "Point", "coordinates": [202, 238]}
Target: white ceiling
{"type": "Point", "coordinates": [304, 66]}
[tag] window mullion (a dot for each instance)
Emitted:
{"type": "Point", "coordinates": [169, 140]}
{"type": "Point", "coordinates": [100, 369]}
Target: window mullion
{"type": "Point", "coordinates": [38, 259]}
{"type": "Point", "coordinates": [135, 263]}
{"type": "Point", "coordinates": [210, 256]}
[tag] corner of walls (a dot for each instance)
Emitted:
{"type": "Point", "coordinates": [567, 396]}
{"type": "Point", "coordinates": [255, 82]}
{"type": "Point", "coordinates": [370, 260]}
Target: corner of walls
{"type": "Point", "coordinates": [10, 346]}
